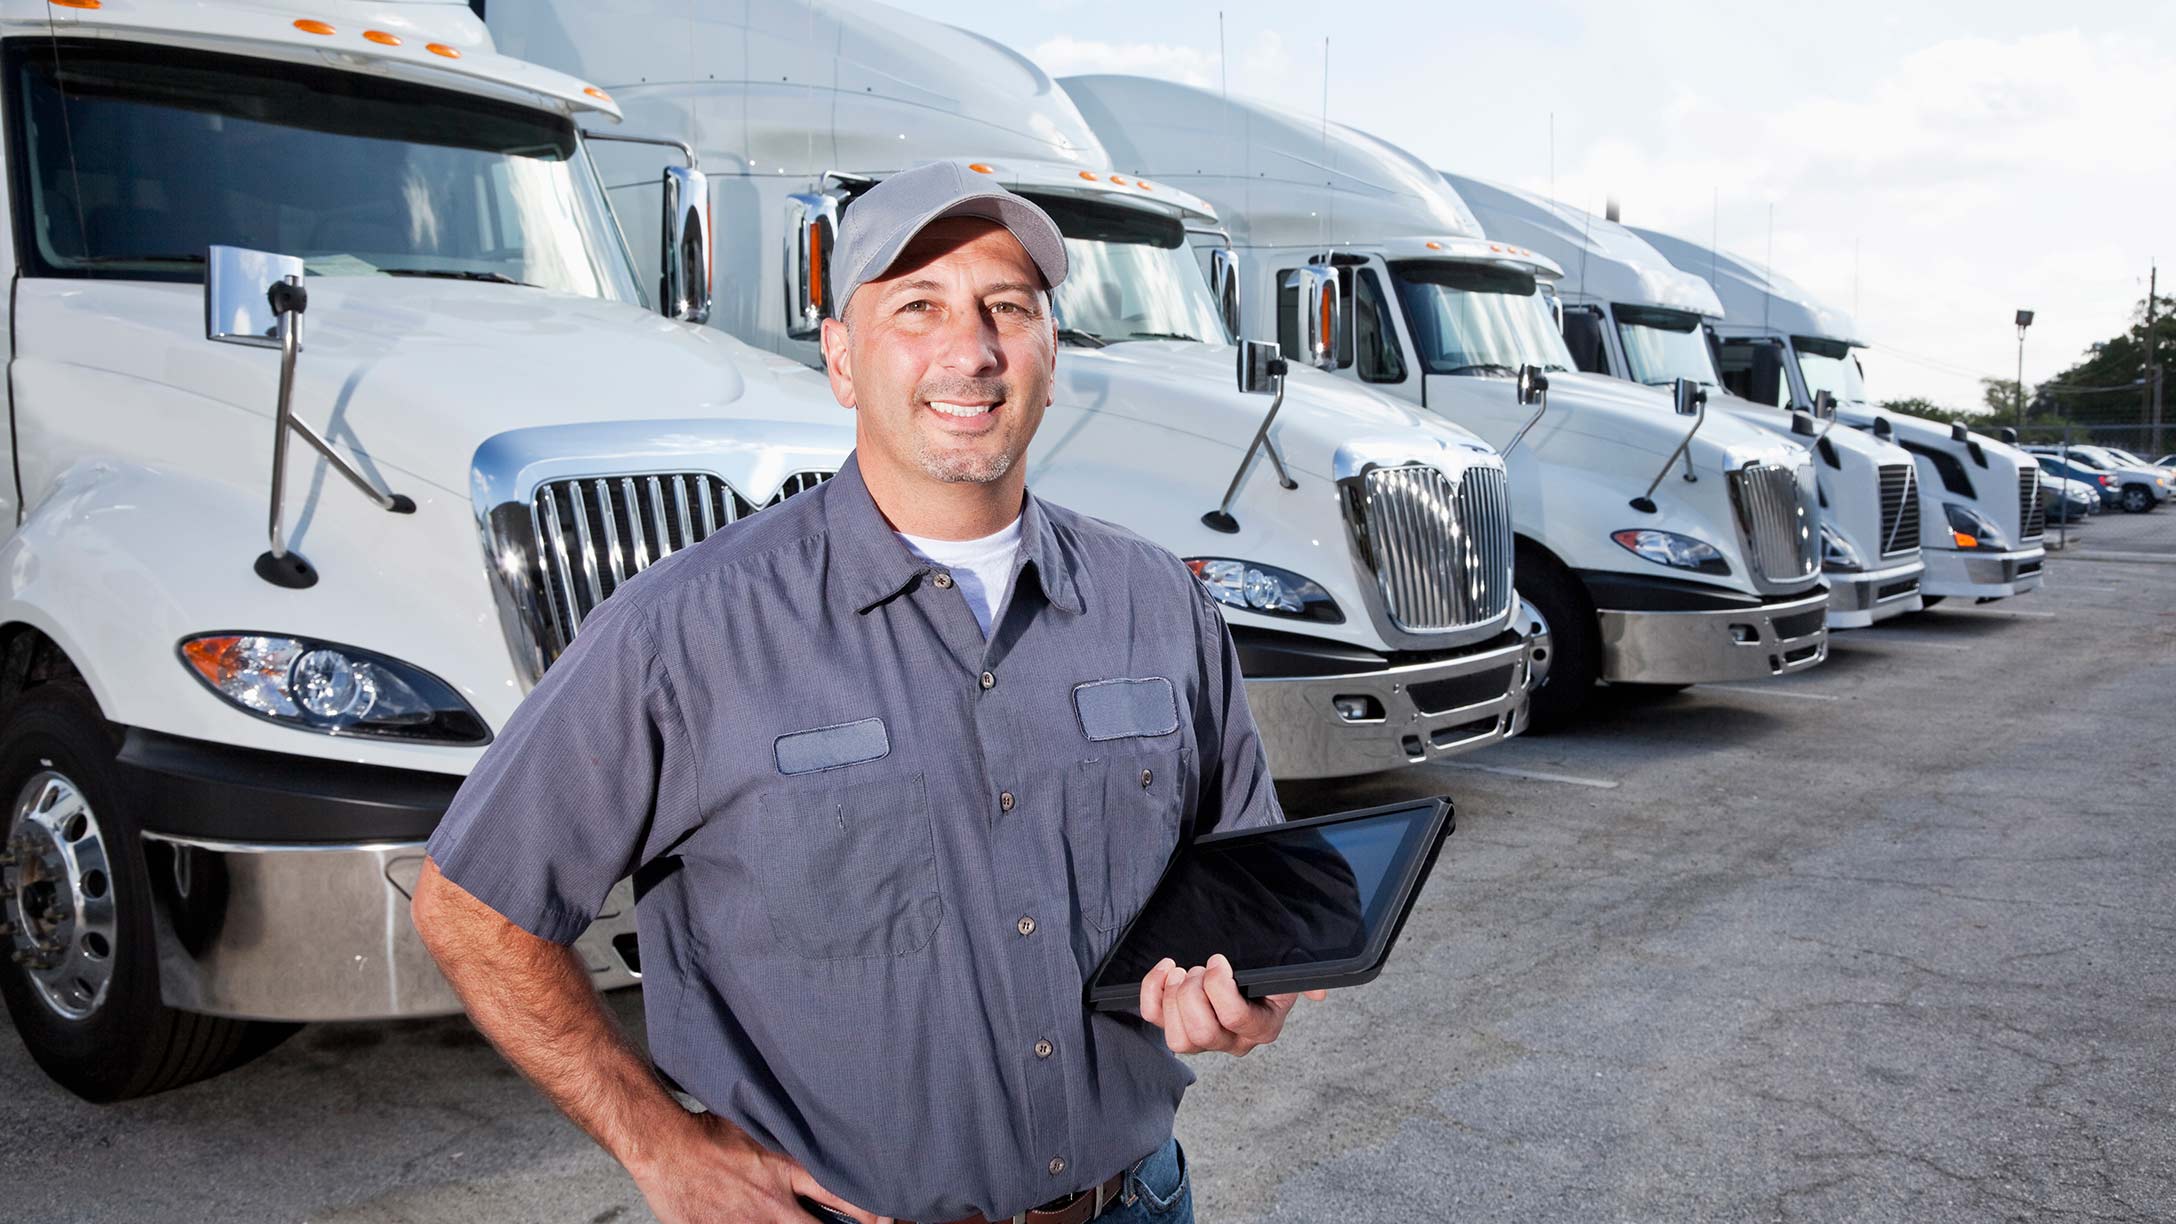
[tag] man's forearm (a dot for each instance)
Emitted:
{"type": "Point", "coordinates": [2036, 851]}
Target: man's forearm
{"type": "Point", "coordinates": [533, 1000]}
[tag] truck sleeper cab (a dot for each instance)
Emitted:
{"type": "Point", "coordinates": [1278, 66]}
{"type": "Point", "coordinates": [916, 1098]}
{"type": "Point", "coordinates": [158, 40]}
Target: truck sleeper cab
{"type": "Point", "coordinates": [1629, 314]}
{"type": "Point", "coordinates": [1368, 640]}
{"type": "Point", "coordinates": [219, 773]}
{"type": "Point", "coordinates": [1981, 523]}
{"type": "Point", "coordinates": [1717, 578]}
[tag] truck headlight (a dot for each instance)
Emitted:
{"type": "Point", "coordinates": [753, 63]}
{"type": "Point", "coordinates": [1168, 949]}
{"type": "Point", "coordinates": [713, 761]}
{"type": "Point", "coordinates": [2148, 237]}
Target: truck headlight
{"type": "Point", "coordinates": [1265, 588]}
{"type": "Point", "coordinates": [1837, 552]}
{"type": "Point", "coordinates": [1968, 528]}
{"type": "Point", "coordinates": [1671, 549]}
{"type": "Point", "coordinates": [339, 690]}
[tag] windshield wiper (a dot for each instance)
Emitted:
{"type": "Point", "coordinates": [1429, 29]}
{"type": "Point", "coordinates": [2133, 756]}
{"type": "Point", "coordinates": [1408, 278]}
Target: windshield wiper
{"type": "Point", "coordinates": [496, 278]}
{"type": "Point", "coordinates": [1155, 335]}
{"type": "Point", "coordinates": [1074, 335]}
{"type": "Point", "coordinates": [1486, 367]}
{"type": "Point", "coordinates": [98, 260]}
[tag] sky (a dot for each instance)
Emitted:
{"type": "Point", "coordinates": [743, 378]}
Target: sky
{"type": "Point", "coordinates": [1929, 167]}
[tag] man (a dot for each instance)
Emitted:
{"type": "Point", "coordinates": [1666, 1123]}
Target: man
{"type": "Point", "coordinates": [891, 765]}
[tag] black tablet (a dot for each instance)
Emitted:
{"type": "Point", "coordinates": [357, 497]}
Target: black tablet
{"type": "Point", "coordinates": [1304, 905]}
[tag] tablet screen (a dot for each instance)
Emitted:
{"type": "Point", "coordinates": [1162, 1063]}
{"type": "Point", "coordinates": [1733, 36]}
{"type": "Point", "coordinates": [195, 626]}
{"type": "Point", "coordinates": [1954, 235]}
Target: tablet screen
{"type": "Point", "coordinates": [1276, 896]}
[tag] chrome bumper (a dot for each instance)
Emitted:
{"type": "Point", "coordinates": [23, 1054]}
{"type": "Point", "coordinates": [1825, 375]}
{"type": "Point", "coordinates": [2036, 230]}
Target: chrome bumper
{"type": "Point", "coordinates": [317, 932]}
{"type": "Point", "coordinates": [1859, 599]}
{"type": "Point", "coordinates": [1983, 575]}
{"type": "Point", "coordinates": [1413, 714]}
{"type": "Point", "coordinates": [1707, 647]}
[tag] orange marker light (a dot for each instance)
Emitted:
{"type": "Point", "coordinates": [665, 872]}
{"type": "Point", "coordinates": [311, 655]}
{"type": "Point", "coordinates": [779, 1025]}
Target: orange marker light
{"type": "Point", "coordinates": [443, 49]}
{"type": "Point", "coordinates": [979, 168]}
{"type": "Point", "coordinates": [816, 268]}
{"type": "Point", "coordinates": [381, 38]}
{"type": "Point", "coordinates": [1143, 184]}
{"type": "Point", "coordinates": [312, 26]}
{"type": "Point", "coordinates": [1086, 175]}
{"type": "Point", "coordinates": [1963, 540]}
{"type": "Point", "coordinates": [1433, 245]}
{"type": "Point", "coordinates": [78, 4]}
{"type": "Point", "coordinates": [1120, 181]}
{"type": "Point", "coordinates": [596, 93]}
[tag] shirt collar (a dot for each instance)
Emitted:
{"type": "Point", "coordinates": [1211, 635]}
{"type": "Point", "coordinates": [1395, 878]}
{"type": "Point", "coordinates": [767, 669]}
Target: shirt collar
{"type": "Point", "coordinates": [873, 566]}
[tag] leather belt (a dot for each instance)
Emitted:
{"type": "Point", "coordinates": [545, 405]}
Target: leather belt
{"type": "Point", "coordinates": [1080, 1209]}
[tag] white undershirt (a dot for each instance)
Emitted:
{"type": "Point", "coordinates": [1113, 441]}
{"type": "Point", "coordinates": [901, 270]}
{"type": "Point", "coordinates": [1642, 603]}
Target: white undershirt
{"type": "Point", "coordinates": [982, 568]}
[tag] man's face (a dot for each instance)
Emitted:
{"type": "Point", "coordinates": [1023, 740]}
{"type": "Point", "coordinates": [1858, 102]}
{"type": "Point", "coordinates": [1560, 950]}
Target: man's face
{"type": "Point", "coordinates": [948, 359]}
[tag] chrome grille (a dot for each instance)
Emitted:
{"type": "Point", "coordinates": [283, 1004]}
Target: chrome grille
{"type": "Point", "coordinates": [593, 533]}
{"type": "Point", "coordinates": [1777, 517]}
{"type": "Point", "coordinates": [1440, 549]}
{"type": "Point", "coordinates": [1899, 508]}
{"type": "Point", "coordinates": [2030, 513]}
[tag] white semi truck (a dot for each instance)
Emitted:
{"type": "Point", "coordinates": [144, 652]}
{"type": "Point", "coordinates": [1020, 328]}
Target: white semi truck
{"type": "Point", "coordinates": [334, 407]}
{"type": "Point", "coordinates": [1629, 314]}
{"type": "Point", "coordinates": [1980, 520]}
{"type": "Point", "coordinates": [1361, 554]}
{"type": "Point", "coordinates": [1661, 548]}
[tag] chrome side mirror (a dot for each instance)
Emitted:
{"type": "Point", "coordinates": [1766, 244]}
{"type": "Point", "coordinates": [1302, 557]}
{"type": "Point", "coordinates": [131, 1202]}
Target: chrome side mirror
{"type": "Point", "coordinates": [1532, 383]}
{"type": "Point", "coordinates": [1224, 286]}
{"type": "Point", "coordinates": [683, 288]}
{"type": "Point", "coordinates": [1824, 406]}
{"type": "Point", "coordinates": [237, 285]}
{"type": "Point", "coordinates": [1688, 397]}
{"type": "Point", "coordinates": [812, 226]}
{"type": "Point", "coordinates": [1261, 364]}
{"type": "Point", "coordinates": [1319, 310]}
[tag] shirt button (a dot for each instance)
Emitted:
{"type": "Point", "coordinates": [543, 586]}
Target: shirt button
{"type": "Point", "coordinates": [1057, 1165]}
{"type": "Point", "coordinates": [943, 581]}
{"type": "Point", "coordinates": [1004, 802]}
{"type": "Point", "coordinates": [1147, 777]}
{"type": "Point", "coordinates": [1043, 1048]}
{"type": "Point", "coordinates": [1026, 925]}
{"type": "Point", "coordinates": [989, 680]}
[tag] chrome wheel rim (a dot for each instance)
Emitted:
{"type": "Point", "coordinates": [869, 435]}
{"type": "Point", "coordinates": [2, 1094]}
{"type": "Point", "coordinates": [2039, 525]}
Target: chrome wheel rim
{"type": "Point", "coordinates": [56, 896]}
{"type": "Point", "coordinates": [1541, 644]}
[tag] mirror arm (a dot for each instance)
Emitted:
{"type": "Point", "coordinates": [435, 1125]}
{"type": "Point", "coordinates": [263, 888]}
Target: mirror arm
{"type": "Point", "coordinates": [1645, 502]}
{"type": "Point", "coordinates": [1220, 519]}
{"type": "Point", "coordinates": [1541, 407]}
{"type": "Point", "coordinates": [686, 150]}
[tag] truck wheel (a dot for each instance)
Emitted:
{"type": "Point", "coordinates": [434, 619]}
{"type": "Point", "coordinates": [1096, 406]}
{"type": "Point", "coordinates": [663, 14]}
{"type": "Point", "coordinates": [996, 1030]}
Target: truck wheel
{"type": "Point", "coordinates": [2137, 499]}
{"type": "Point", "coordinates": [1575, 660]}
{"type": "Point", "coordinates": [81, 978]}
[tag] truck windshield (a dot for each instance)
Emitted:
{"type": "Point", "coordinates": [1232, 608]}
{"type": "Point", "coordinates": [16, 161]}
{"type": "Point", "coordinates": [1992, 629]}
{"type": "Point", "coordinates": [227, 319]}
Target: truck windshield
{"type": "Point", "coordinates": [1827, 365]}
{"type": "Point", "coordinates": [134, 160]}
{"type": "Point", "coordinates": [1475, 319]}
{"type": "Point", "coordinates": [1662, 346]}
{"type": "Point", "coordinates": [1129, 275]}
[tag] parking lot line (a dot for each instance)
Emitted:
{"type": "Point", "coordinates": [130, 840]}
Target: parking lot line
{"type": "Point", "coordinates": [1759, 690]}
{"type": "Point", "coordinates": [1533, 775]}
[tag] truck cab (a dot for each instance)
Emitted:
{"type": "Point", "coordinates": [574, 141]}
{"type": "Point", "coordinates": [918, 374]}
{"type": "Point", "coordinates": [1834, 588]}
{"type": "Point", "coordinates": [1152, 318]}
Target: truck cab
{"type": "Point", "coordinates": [1662, 544]}
{"type": "Point", "coordinates": [336, 404]}
{"type": "Point", "coordinates": [1361, 554]}
{"type": "Point", "coordinates": [1981, 523]}
{"type": "Point", "coordinates": [1629, 314]}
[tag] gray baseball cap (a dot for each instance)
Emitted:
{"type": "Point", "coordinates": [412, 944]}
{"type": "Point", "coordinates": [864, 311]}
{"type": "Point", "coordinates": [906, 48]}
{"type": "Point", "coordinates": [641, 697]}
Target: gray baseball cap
{"type": "Point", "coordinates": [881, 223]}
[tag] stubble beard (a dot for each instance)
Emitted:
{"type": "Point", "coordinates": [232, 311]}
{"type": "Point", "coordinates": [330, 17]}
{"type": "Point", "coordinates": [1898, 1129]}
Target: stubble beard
{"type": "Point", "coordinates": [968, 464]}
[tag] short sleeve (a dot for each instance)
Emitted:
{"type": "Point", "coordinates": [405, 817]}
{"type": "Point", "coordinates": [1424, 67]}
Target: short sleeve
{"type": "Point", "coordinates": [579, 789]}
{"type": "Point", "coordinates": [1236, 792]}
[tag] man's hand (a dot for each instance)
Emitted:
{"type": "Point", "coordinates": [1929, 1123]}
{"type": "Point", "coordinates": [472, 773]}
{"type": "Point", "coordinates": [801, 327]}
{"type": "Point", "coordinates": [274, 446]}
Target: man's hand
{"type": "Point", "coordinates": [715, 1172]}
{"type": "Point", "coordinates": [1201, 1008]}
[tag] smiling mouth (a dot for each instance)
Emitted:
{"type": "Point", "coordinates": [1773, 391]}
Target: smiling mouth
{"type": "Point", "coordinates": [961, 411]}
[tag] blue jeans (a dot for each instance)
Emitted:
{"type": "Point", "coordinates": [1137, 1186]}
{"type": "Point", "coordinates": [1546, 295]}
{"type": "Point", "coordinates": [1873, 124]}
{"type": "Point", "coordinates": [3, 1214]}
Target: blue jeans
{"type": "Point", "coordinates": [1162, 1191]}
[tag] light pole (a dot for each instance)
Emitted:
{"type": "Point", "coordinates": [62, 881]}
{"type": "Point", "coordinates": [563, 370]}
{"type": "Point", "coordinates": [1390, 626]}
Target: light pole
{"type": "Point", "coordinates": [2024, 320]}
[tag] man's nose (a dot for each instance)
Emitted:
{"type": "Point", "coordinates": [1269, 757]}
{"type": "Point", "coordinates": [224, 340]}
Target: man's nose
{"type": "Point", "coordinates": [970, 344]}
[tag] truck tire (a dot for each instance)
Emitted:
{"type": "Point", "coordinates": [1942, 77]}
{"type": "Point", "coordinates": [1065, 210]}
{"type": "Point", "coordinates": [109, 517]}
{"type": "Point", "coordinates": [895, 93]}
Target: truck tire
{"type": "Point", "coordinates": [1575, 638]}
{"type": "Point", "coordinates": [81, 974]}
{"type": "Point", "coordinates": [2137, 499]}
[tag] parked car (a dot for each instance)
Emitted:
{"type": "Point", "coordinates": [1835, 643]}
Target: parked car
{"type": "Point", "coordinates": [2075, 470]}
{"type": "Point", "coordinates": [2069, 500]}
{"type": "Point", "coordinates": [2138, 489]}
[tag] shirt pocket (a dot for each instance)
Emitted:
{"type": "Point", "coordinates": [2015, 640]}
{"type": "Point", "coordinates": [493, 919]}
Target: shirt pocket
{"type": "Point", "coordinates": [848, 869]}
{"type": "Point", "coordinates": [1123, 811]}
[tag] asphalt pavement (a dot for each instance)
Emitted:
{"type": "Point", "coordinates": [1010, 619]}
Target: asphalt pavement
{"type": "Point", "coordinates": [1893, 939]}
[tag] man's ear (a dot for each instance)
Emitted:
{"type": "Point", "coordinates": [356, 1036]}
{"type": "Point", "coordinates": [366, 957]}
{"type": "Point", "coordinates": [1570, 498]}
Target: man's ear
{"type": "Point", "coordinates": [838, 362]}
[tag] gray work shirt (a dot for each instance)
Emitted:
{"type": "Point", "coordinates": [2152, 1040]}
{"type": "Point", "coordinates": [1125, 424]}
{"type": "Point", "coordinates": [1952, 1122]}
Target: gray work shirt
{"type": "Point", "coordinates": [877, 856]}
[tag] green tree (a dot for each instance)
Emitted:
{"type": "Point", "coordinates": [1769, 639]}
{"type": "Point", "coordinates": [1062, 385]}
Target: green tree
{"type": "Point", "coordinates": [2103, 387]}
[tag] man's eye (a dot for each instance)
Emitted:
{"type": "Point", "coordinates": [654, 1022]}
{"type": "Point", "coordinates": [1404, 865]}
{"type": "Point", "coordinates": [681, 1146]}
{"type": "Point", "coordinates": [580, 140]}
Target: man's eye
{"type": "Point", "coordinates": [918, 305]}
{"type": "Point", "coordinates": [1012, 307]}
